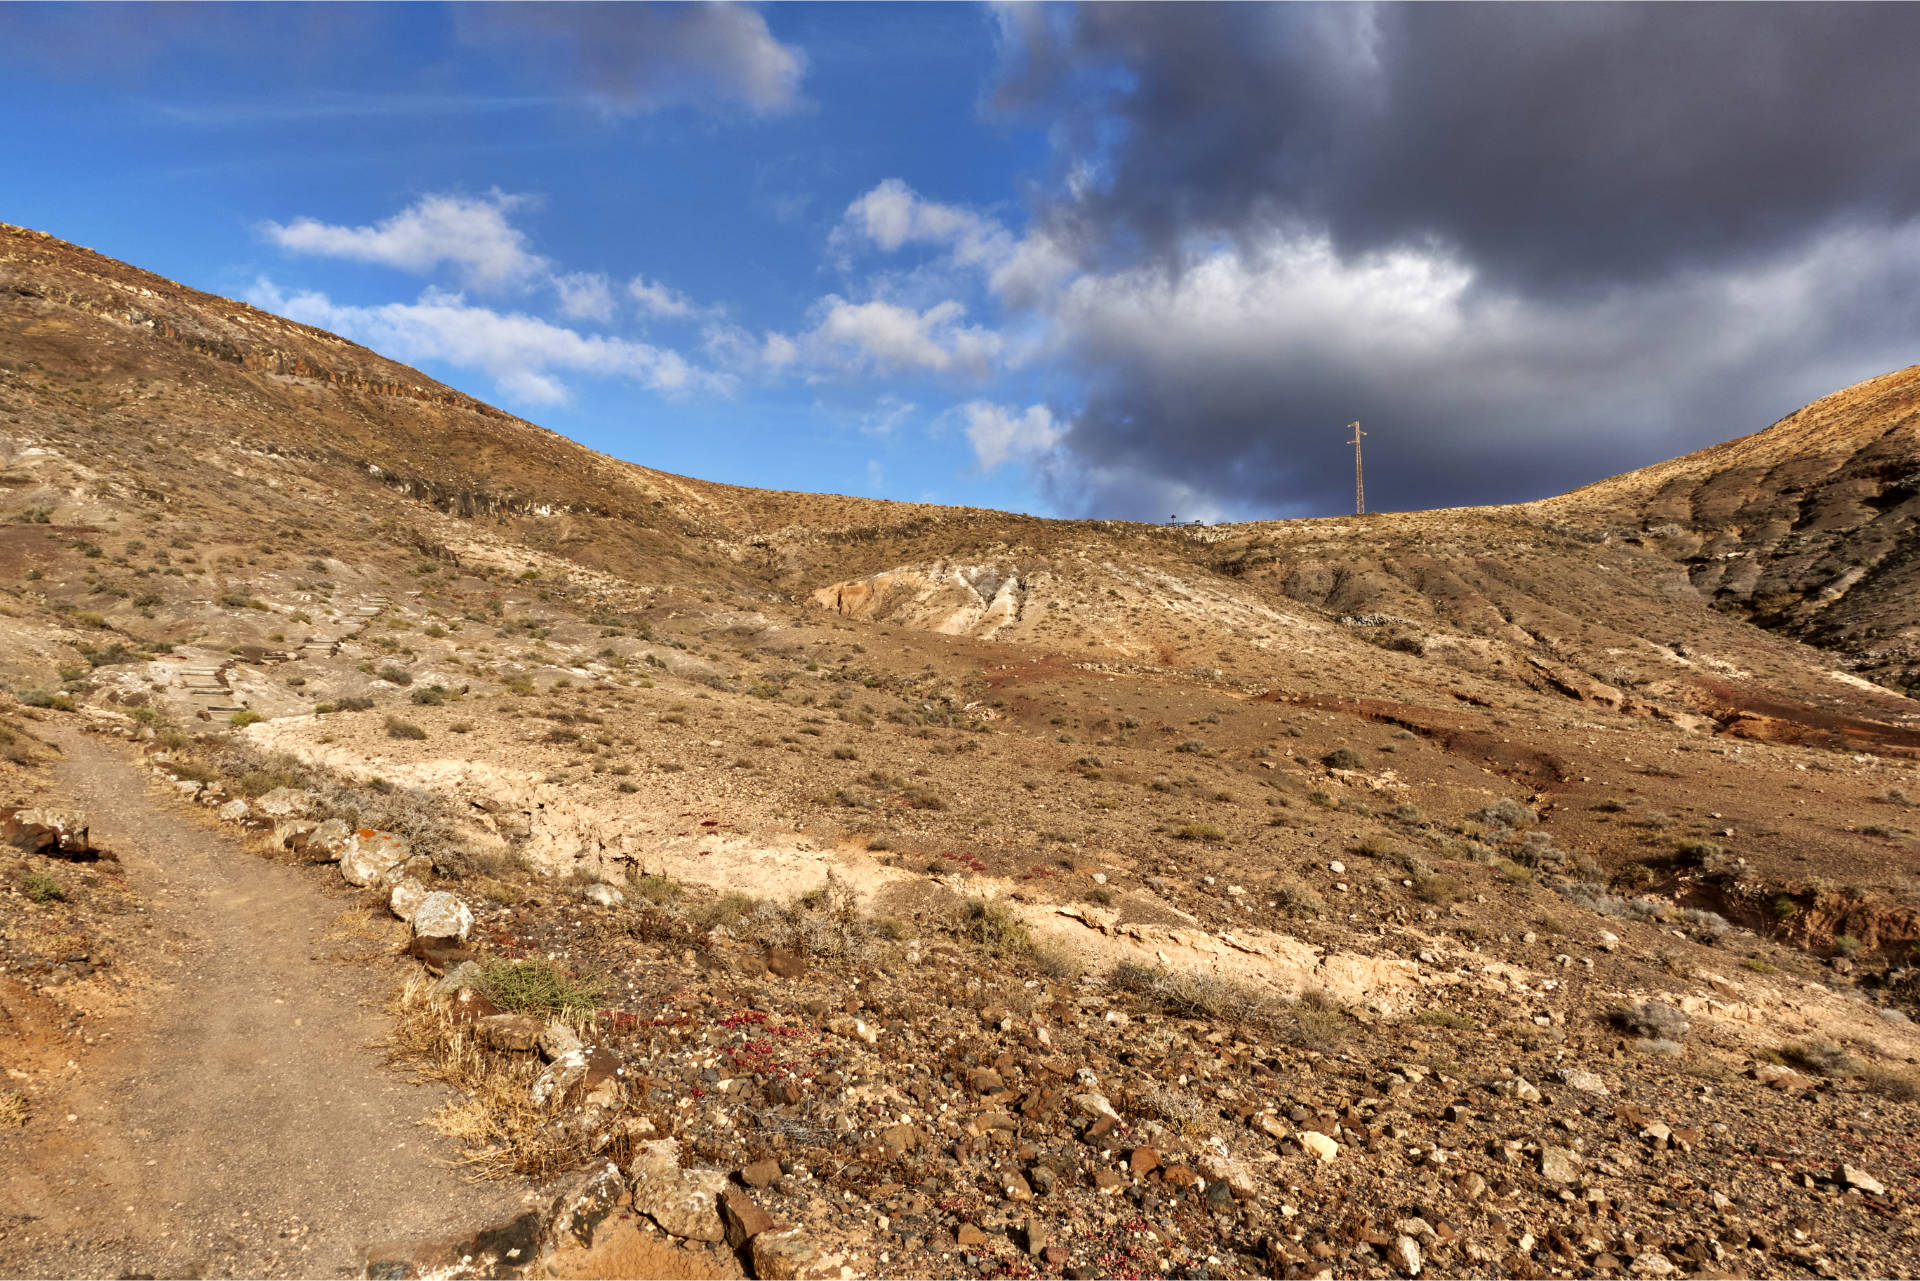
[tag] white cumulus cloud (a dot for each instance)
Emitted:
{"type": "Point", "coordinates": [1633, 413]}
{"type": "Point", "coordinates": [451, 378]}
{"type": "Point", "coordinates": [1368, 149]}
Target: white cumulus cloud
{"type": "Point", "coordinates": [1002, 433]}
{"type": "Point", "coordinates": [524, 355]}
{"type": "Point", "coordinates": [892, 215]}
{"type": "Point", "coordinates": [856, 337]}
{"type": "Point", "coordinates": [470, 234]}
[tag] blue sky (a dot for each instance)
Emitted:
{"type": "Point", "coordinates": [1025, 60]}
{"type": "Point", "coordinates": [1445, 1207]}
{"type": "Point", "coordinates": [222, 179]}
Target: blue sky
{"type": "Point", "coordinates": [1128, 261]}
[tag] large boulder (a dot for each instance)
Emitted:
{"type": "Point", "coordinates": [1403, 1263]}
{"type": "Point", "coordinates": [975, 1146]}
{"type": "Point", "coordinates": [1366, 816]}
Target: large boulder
{"type": "Point", "coordinates": [685, 1203]}
{"type": "Point", "coordinates": [329, 840]}
{"type": "Point", "coordinates": [368, 857]}
{"type": "Point", "coordinates": [61, 833]}
{"type": "Point", "coordinates": [441, 915]}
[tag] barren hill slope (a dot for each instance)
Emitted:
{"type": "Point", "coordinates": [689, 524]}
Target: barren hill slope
{"type": "Point", "coordinates": [1811, 527]}
{"type": "Point", "coordinates": [1438, 892]}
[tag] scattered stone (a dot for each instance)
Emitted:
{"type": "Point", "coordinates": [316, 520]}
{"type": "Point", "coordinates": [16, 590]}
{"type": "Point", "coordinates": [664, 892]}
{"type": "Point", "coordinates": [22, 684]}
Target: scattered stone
{"type": "Point", "coordinates": [741, 1218]}
{"type": "Point", "coordinates": [603, 894]}
{"type": "Point", "coordinates": [470, 1006]}
{"type": "Point", "coordinates": [406, 898]}
{"type": "Point", "coordinates": [329, 840]}
{"type": "Point", "coordinates": [685, 1203]}
{"type": "Point", "coordinates": [59, 833]}
{"type": "Point", "coordinates": [760, 1174]}
{"type": "Point", "coordinates": [442, 915]}
{"type": "Point", "coordinates": [1404, 1254]}
{"type": "Point", "coordinates": [1652, 1264]}
{"type": "Point", "coordinates": [584, 1204]}
{"type": "Point", "coordinates": [1318, 1145]}
{"type": "Point", "coordinates": [284, 802]}
{"type": "Point", "coordinates": [235, 811]}
{"type": "Point", "coordinates": [558, 1077]}
{"type": "Point", "coordinates": [786, 1255]}
{"type": "Point", "coordinates": [1559, 1165]}
{"type": "Point", "coordinates": [1854, 1177]}
{"type": "Point", "coordinates": [558, 1040]}
{"type": "Point", "coordinates": [1585, 1082]}
{"type": "Point", "coordinates": [517, 1032]}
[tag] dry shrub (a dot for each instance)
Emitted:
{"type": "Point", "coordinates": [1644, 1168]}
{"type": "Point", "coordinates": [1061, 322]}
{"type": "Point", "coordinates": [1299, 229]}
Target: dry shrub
{"type": "Point", "coordinates": [1193, 995]}
{"type": "Point", "coordinates": [503, 1132]}
{"type": "Point", "coordinates": [13, 1109]}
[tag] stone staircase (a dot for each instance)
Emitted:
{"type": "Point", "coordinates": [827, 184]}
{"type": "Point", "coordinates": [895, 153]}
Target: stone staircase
{"type": "Point", "coordinates": [206, 686]}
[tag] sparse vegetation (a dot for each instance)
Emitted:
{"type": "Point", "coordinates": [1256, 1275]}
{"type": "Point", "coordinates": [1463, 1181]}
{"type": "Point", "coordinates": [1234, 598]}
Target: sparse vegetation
{"type": "Point", "coordinates": [538, 986]}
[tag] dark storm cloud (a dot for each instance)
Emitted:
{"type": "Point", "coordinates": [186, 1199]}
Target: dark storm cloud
{"type": "Point", "coordinates": [1548, 144]}
{"type": "Point", "coordinates": [1528, 246]}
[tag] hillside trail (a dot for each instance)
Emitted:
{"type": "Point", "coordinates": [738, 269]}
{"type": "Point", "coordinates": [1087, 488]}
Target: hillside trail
{"type": "Point", "coordinates": [241, 1121]}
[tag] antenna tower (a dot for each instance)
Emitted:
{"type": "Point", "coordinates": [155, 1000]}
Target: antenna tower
{"type": "Point", "coordinates": [1359, 488]}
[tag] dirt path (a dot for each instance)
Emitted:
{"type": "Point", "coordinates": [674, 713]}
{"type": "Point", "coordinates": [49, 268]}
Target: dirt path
{"type": "Point", "coordinates": [240, 1123]}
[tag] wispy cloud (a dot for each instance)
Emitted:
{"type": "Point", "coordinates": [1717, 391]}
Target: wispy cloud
{"type": "Point", "coordinates": [344, 106]}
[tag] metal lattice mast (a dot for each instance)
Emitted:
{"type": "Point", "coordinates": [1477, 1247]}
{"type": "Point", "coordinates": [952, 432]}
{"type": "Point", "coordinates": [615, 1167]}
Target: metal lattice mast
{"type": "Point", "coordinates": [1359, 488]}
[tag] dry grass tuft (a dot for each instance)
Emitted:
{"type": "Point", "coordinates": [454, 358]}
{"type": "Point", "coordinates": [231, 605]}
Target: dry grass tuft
{"type": "Point", "coordinates": [367, 923]}
{"type": "Point", "coordinates": [13, 1109]}
{"type": "Point", "coordinates": [503, 1132]}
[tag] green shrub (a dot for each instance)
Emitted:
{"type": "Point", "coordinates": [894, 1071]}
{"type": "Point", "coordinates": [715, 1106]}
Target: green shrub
{"type": "Point", "coordinates": [1344, 758]}
{"type": "Point", "coordinates": [395, 675]}
{"type": "Point", "coordinates": [397, 728]}
{"type": "Point", "coordinates": [244, 717]}
{"type": "Point", "coordinates": [538, 986]}
{"type": "Point", "coordinates": [42, 888]}
{"type": "Point", "coordinates": [1199, 832]}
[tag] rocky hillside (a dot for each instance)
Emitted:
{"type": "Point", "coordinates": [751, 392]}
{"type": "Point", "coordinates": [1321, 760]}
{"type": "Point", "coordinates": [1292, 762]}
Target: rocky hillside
{"type": "Point", "coordinates": [924, 891]}
{"type": "Point", "coordinates": [1811, 527]}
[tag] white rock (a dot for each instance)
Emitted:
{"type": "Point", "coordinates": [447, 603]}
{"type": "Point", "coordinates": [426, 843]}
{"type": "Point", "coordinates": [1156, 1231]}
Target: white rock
{"type": "Point", "coordinates": [406, 898]}
{"type": "Point", "coordinates": [329, 839]}
{"type": "Point", "coordinates": [558, 1077]}
{"type": "Point", "coordinates": [442, 915]}
{"type": "Point", "coordinates": [235, 811]}
{"type": "Point", "coordinates": [1318, 1144]}
{"type": "Point", "coordinates": [284, 802]}
{"type": "Point", "coordinates": [1095, 1105]}
{"type": "Point", "coordinates": [1404, 1254]}
{"type": "Point", "coordinates": [558, 1040]}
{"type": "Point", "coordinates": [1336, 867]}
{"type": "Point", "coordinates": [686, 1203]}
{"type": "Point", "coordinates": [605, 895]}
{"type": "Point", "coordinates": [368, 857]}
{"type": "Point", "coordinates": [187, 787]}
{"type": "Point", "coordinates": [1585, 1082]}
